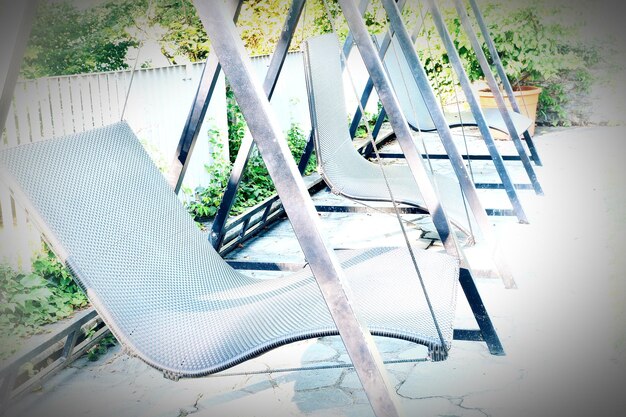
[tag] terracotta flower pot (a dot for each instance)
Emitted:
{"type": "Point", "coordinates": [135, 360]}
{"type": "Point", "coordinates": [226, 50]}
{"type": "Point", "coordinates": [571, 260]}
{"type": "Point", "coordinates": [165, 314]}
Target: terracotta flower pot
{"type": "Point", "coordinates": [527, 98]}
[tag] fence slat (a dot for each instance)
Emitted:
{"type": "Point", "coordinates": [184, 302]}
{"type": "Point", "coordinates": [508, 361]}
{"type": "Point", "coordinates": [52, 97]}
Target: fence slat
{"type": "Point", "coordinates": [77, 107]}
{"type": "Point", "coordinates": [21, 113]}
{"type": "Point", "coordinates": [56, 108]}
{"type": "Point", "coordinates": [67, 107]}
{"type": "Point", "coordinates": [10, 129]}
{"type": "Point", "coordinates": [86, 101]}
{"type": "Point", "coordinates": [114, 79]}
{"type": "Point", "coordinates": [34, 112]}
{"type": "Point", "coordinates": [23, 234]}
{"type": "Point", "coordinates": [96, 99]}
{"type": "Point", "coordinates": [45, 106]}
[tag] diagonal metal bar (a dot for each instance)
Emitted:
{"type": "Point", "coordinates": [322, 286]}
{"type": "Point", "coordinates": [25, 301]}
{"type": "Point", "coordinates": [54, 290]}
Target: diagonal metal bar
{"type": "Point", "coordinates": [493, 85]}
{"type": "Point", "coordinates": [457, 65]}
{"type": "Point", "coordinates": [208, 80]}
{"type": "Point", "coordinates": [403, 133]}
{"type": "Point", "coordinates": [465, 181]}
{"type": "Point", "coordinates": [324, 264]}
{"type": "Point", "coordinates": [369, 86]}
{"type": "Point", "coordinates": [495, 57]}
{"type": "Point", "coordinates": [399, 124]}
{"type": "Point", "coordinates": [216, 236]}
{"type": "Point", "coordinates": [16, 20]}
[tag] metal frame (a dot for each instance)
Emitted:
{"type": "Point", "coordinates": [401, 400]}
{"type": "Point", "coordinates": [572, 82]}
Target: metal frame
{"type": "Point", "coordinates": [494, 154]}
{"type": "Point", "coordinates": [16, 21]}
{"type": "Point", "coordinates": [455, 60]}
{"type": "Point", "coordinates": [486, 329]}
{"type": "Point", "coordinates": [218, 231]}
{"type": "Point", "coordinates": [49, 357]}
{"type": "Point", "coordinates": [219, 227]}
{"type": "Point", "coordinates": [479, 117]}
{"type": "Point", "coordinates": [206, 86]}
{"type": "Point", "coordinates": [493, 85]}
{"type": "Point", "coordinates": [370, 56]}
{"type": "Point", "coordinates": [290, 187]}
{"type": "Point", "coordinates": [502, 75]}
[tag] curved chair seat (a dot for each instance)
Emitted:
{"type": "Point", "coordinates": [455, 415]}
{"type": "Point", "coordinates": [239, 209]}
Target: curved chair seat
{"type": "Point", "coordinates": [345, 171]}
{"type": "Point", "coordinates": [415, 109]}
{"type": "Point", "coordinates": [163, 290]}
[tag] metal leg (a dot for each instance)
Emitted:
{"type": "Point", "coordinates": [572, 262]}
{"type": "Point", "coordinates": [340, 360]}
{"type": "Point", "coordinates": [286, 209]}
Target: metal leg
{"type": "Point", "coordinates": [16, 21]}
{"type": "Point", "coordinates": [216, 235]}
{"type": "Point", "coordinates": [502, 74]}
{"type": "Point", "coordinates": [291, 188]}
{"type": "Point", "coordinates": [493, 85]}
{"type": "Point", "coordinates": [210, 76]}
{"type": "Point", "coordinates": [487, 332]}
{"type": "Point", "coordinates": [306, 155]}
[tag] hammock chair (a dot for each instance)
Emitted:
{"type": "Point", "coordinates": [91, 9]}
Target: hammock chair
{"type": "Point", "coordinates": [161, 288]}
{"type": "Point", "coordinates": [346, 171]}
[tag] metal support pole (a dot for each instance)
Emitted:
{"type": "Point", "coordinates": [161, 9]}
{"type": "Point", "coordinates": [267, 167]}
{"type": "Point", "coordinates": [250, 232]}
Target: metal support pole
{"type": "Point", "coordinates": [493, 85]}
{"type": "Point", "coordinates": [457, 65]}
{"type": "Point", "coordinates": [208, 80]}
{"type": "Point", "coordinates": [399, 124]}
{"type": "Point", "coordinates": [324, 264]}
{"type": "Point", "coordinates": [502, 74]}
{"type": "Point", "coordinates": [16, 21]}
{"type": "Point", "coordinates": [369, 86]}
{"type": "Point", "coordinates": [403, 134]}
{"type": "Point", "coordinates": [466, 183]}
{"type": "Point", "coordinates": [487, 331]}
{"type": "Point", "coordinates": [216, 236]}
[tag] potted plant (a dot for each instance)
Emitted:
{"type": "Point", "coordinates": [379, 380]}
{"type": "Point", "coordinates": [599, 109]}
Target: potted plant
{"type": "Point", "coordinates": [527, 97]}
{"type": "Point", "coordinates": [546, 62]}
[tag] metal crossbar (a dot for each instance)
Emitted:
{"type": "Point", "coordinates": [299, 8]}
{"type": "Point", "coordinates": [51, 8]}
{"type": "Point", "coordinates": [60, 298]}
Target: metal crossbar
{"type": "Point", "coordinates": [48, 357]}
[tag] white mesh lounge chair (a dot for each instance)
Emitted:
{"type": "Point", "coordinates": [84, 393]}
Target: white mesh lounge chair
{"type": "Point", "coordinates": [165, 293]}
{"type": "Point", "coordinates": [415, 109]}
{"type": "Point", "coordinates": [345, 171]}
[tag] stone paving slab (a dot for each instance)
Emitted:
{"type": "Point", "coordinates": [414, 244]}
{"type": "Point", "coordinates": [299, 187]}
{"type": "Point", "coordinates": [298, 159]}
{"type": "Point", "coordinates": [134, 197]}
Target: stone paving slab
{"type": "Point", "coordinates": [564, 328]}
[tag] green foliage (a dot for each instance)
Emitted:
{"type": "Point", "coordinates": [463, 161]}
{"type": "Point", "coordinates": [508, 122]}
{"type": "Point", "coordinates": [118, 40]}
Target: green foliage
{"type": "Point", "coordinates": [65, 40]}
{"type": "Point", "coordinates": [535, 49]}
{"type": "Point", "coordinates": [29, 301]}
{"type": "Point", "coordinates": [256, 184]}
{"type": "Point", "coordinates": [361, 130]}
{"type": "Point", "coordinates": [96, 351]}
{"type": "Point", "coordinates": [184, 34]}
{"type": "Point", "coordinates": [236, 124]}
{"type": "Point", "coordinates": [206, 200]}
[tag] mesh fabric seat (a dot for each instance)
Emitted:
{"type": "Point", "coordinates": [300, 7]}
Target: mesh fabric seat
{"type": "Point", "coordinates": [415, 109]}
{"type": "Point", "coordinates": [163, 290]}
{"type": "Point", "coordinates": [342, 167]}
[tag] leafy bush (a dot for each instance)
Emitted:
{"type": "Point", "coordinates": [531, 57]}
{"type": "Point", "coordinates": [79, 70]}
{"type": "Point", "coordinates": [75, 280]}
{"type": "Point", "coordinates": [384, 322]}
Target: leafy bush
{"type": "Point", "coordinates": [256, 184]}
{"type": "Point", "coordinates": [29, 301]}
{"type": "Point", "coordinates": [535, 49]}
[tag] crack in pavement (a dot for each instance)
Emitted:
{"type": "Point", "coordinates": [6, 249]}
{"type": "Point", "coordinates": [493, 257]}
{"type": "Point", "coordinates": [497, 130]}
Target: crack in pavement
{"type": "Point", "coordinates": [191, 410]}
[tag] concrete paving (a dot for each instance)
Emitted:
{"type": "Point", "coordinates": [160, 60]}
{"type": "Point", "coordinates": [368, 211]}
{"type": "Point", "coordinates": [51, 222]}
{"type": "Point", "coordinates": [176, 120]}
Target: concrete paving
{"type": "Point", "coordinates": [564, 328]}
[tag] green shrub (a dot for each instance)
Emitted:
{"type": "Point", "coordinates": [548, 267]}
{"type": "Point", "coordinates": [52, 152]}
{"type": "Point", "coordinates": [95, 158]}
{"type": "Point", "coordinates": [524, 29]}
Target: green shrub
{"type": "Point", "coordinates": [28, 301]}
{"type": "Point", "coordinates": [256, 184]}
{"type": "Point", "coordinates": [535, 49]}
